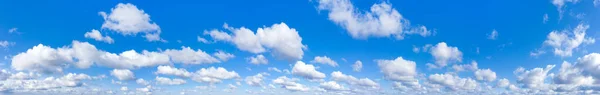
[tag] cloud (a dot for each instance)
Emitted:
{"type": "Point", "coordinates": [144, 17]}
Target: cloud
{"type": "Point", "coordinates": [357, 66]}
{"type": "Point", "coordinates": [6, 44]}
{"type": "Point", "coordinates": [256, 80]}
{"type": "Point", "coordinates": [445, 54]}
{"type": "Point", "coordinates": [13, 30]}
{"type": "Point", "coordinates": [503, 83]}
{"type": "Point", "coordinates": [122, 74]}
{"type": "Point", "coordinates": [188, 56]}
{"type": "Point", "coordinates": [213, 75]}
{"type": "Point", "coordinates": [290, 84]}
{"type": "Point", "coordinates": [339, 76]}
{"type": "Point", "coordinates": [274, 69]}
{"type": "Point", "coordinates": [307, 71]}
{"type": "Point", "coordinates": [167, 81]}
{"type": "Point", "coordinates": [332, 86]}
{"type": "Point", "coordinates": [95, 34]}
{"type": "Point", "coordinates": [582, 73]}
{"type": "Point", "coordinates": [545, 18]}
{"type": "Point", "coordinates": [493, 35]}
{"type": "Point", "coordinates": [67, 81]}
{"type": "Point", "coordinates": [223, 56]}
{"type": "Point", "coordinates": [485, 74]}
{"type": "Point", "coordinates": [24, 76]}
{"type": "Point", "coordinates": [453, 82]}
{"type": "Point", "coordinates": [533, 78]}
{"type": "Point", "coordinates": [564, 42]}
{"type": "Point", "coordinates": [464, 67]}
{"type": "Point", "coordinates": [381, 21]}
{"type": "Point", "coordinates": [280, 39]}
{"type": "Point", "coordinates": [324, 60]}
{"type": "Point", "coordinates": [203, 40]}
{"type": "Point", "coordinates": [398, 69]}
{"type": "Point", "coordinates": [42, 58]}
{"type": "Point", "coordinates": [258, 59]}
{"type": "Point", "coordinates": [142, 81]}
{"type": "Point", "coordinates": [127, 19]}
{"type": "Point", "coordinates": [168, 70]}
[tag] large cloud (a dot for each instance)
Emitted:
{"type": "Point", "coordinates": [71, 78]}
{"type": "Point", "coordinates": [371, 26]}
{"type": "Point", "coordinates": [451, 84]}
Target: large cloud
{"type": "Point", "coordinates": [279, 38]}
{"type": "Point", "coordinates": [122, 74]}
{"type": "Point", "coordinates": [381, 21]}
{"type": "Point", "coordinates": [564, 42]}
{"type": "Point", "coordinates": [188, 56]}
{"type": "Point", "coordinates": [168, 70]}
{"type": "Point", "coordinates": [256, 80]}
{"type": "Point", "coordinates": [533, 78]}
{"type": "Point", "coordinates": [213, 75]}
{"type": "Point", "coordinates": [307, 71]}
{"type": "Point", "coordinates": [445, 54]}
{"type": "Point", "coordinates": [167, 81]}
{"type": "Point", "coordinates": [485, 74]}
{"type": "Point", "coordinates": [127, 19]}
{"type": "Point", "coordinates": [290, 84]}
{"type": "Point", "coordinates": [453, 82]}
{"type": "Point", "coordinates": [398, 69]}
{"type": "Point", "coordinates": [42, 58]}
{"type": "Point", "coordinates": [67, 81]}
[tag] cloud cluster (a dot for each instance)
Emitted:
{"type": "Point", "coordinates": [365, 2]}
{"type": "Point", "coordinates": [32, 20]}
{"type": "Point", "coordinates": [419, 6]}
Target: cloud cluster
{"type": "Point", "coordinates": [307, 71]}
{"type": "Point", "coordinates": [213, 75]}
{"type": "Point", "coordinates": [564, 42]}
{"type": "Point", "coordinates": [127, 19]}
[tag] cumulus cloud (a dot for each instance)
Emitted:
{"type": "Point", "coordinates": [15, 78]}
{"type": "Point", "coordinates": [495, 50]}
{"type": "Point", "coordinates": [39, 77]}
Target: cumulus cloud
{"type": "Point", "coordinates": [332, 86]}
{"type": "Point", "coordinates": [464, 67]}
{"type": "Point", "coordinates": [453, 82]}
{"type": "Point", "coordinates": [223, 56]}
{"type": "Point", "coordinates": [564, 42]}
{"type": "Point", "coordinates": [339, 76]}
{"type": "Point", "coordinates": [357, 66]}
{"type": "Point", "coordinates": [398, 69]}
{"type": "Point", "coordinates": [256, 80]}
{"type": "Point", "coordinates": [213, 75]}
{"type": "Point", "coordinates": [42, 58]}
{"type": "Point", "coordinates": [258, 59]}
{"type": "Point", "coordinates": [445, 54]}
{"type": "Point", "coordinates": [127, 19]}
{"type": "Point", "coordinates": [485, 74]}
{"type": "Point", "coordinates": [290, 84]}
{"type": "Point", "coordinates": [533, 78]}
{"type": "Point", "coordinates": [503, 83]}
{"type": "Point", "coordinates": [169, 70]}
{"type": "Point", "coordinates": [581, 73]}
{"type": "Point", "coordinates": [280, 39]}
{"type": "Point", "coordinates": [95, 34]}
{"type": "Point", "coordinates": [141, 81]}
{"type": "Point", "coordinates": [381, 21]}
{"type": "Point", "coordinates": [167, 81]}
{"type": "Point", "coordinates": [307, 71]}
{"type": "Point", "coordinates": [122, 74]}
{"type": "Point", "coordinates": [188, 56]}
{"type": "Point", "coordinates": [324, 60]}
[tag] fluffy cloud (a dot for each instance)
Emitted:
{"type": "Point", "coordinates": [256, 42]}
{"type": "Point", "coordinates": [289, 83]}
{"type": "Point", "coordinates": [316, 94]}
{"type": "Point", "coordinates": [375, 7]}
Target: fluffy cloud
{"type": "Point", "coordinates": [95, 34]}
{"type": "Point", "coordinates": [168, 70]}
{"type": "Point", "coordinates": [213, 75]}
{"type": "Point", "coordinates": [357, 66]}
{"type": "Point", "coordinates": [453, 82]}
{"type": "Point", "coordinates": [381, 21]}
{"type": "Point", "coordinates": [493, 35]}
{"type": "Point", "coordinates": [470, 67]}
{"type": "Point", "coordinates": [279, 38]}
{"type": "Point", "coordinates": [290, 84]}
{"type": "Point", "coordinates": [49, 83]}
{"type": "Point", "coordinates": [223, 56]}
{"type": "Point", "coordinates": [142, 81]}
{"type": "Point", "coordinates": [256, 80]}
{"type": "Point", "coordinates": [445, 54]}
{"type": "Point", "coordinates": [564, 42]}
{"type": "Point", "coordinates": [42, 58]}
{"type": "Point", "coordinates": [167, 81]}
{"type": "Point", "coordinates": [324, 60]}
{"type": "Point", "coordinates": [533, 78]}
{"type": "Point", "coordinates": [122, 74]}
{"type": "Point", "coordinates": [24, 76]}
{"type": "Point", "coordinates": [503, 83]}
{"type": "Point", "coordinates": [307, 71]}
{"type": "Point", "coordinates": [127, 19]}
{"type": "Point", "coordinates": [398, 69]}
{"type": "Point", "coordinates": [582, 73]}
{"type": "Point", "coordinates": [258, 59]}
{"type": "Point", "coordinates": [485, 74]}
{"type": "Point", "coordinates": [332, 86]}
{"type": "Point", "coordinates": [339, 76]}
{"type": "Point", "coordinates": [188, 56]}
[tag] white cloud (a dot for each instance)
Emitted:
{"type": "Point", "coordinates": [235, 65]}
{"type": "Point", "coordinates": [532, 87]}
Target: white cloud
{"type": "Point", "coordinates": [503, 83]}
{"type": "Point", "coordinates": [274, 69]}
{"type": "Point", "coordinates": [223, 56]}
{"type": "Point", "coordinates": [122, 74]}
{"type": "Point", "coordinates": [381, 21]}
{"type": "Point", "coordinates": [564, 42]}
{"type": "Point", "coordinates": [398, 69]}
{"type": "Point", "coordinates": [357, 66]}
{"type": "Point", "coordinates": [188, 56]}
{"type": "Point", "coordinates": [67, 81]}
{"type": "Point", "coordinates": [256, 80]}
{"type": "Point", "coordinates": [213, 75]}
{"type": "Point", "coordinates": [167, 81]}
{"type": "Point", "coordinates": [584, 72]}
{"type": "Point", "coordinates": [307, 71]}
{"type": "Point", "coordinates": [42, 58]}
{"type": "Point", "coordinates": [95, 34]}
{"type": "Point", "coordinates": [258, 59]}
{"type": "Point", "coordinates": [203, 40]}
{"type": "Point", "coordinates": [493, 35]}
{"type": "Point", "coordinates": [142, 81]}
{"type": "Point", "coordinates": [445, 54]}
{"type": "Point", "coordinates": [463, 67]}
{"type": "Point", "coordinates": [169, 70]}
{"type": "Point", "coordinates": [124, 88]}
{"type": "Point", "coordinates": [5, 44]}
{"type": "Point", "coordinates": [339, 76]}
{"type": "Point", "coordinates": [546, 18]}
{"type": "Point", "coordinates": [127, 19]}
{"type": "Point", "coordinates": [324, 60]}
{"type": "Point", "coordinates": [332, 86]}
{"type": "Point", "coordinates": [453, 82]}
{"type": "Point", "coordinates": [24, 76]}
{"type": "Point", "coordinates": [533, 78]}
{"type": "Point", "coordinates": [290, 84]}
{"type": "Point", "coordinates": [13, 30]}
{"type": "Point", "coordinates": [485, 74]}
{"type": "Point", "coordinates": [279, 38]}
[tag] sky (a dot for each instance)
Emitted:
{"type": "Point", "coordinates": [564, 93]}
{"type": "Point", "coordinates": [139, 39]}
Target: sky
{"type": "Point", "coordinates": [299, 47]}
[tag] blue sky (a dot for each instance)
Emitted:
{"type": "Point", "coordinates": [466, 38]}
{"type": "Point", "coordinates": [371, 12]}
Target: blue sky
{"type": "Point", "coordinates": [213, 47]}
